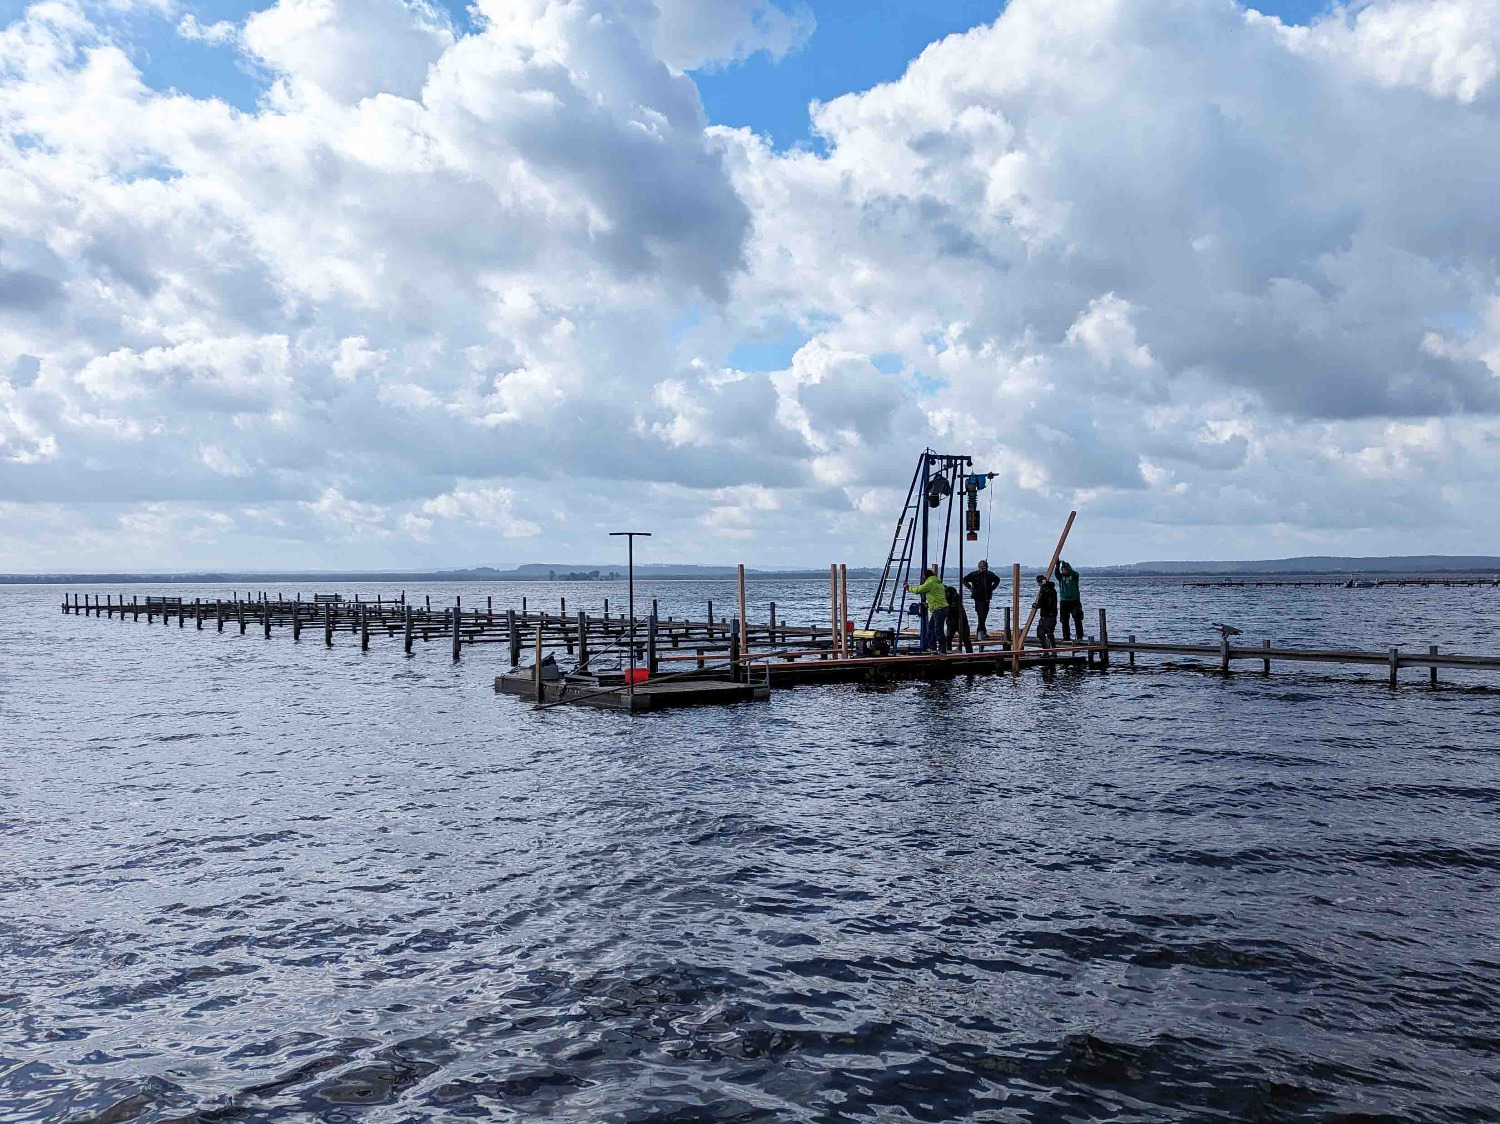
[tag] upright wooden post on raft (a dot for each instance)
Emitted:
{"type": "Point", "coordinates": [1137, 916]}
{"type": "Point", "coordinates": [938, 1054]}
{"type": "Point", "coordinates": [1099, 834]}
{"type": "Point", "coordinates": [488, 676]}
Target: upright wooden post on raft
{"type": "Point", "coordinates": [328, 624]}
{"type": "Point", "coordinates": [734, 650]}
{"type": "Point", "coordinates": [536, 670]}
{"type": "Point", "coordinates": [408, 614]}
{"type": "Point", "coordinates": [1224, 652]}
{"type": "Point", "coordinates": [583, 640]}
{"type": "Point", "coordinates": [744, 644]}
{"type": "Point", "coordinates": [265, 606]}
{"type": "Point", "coordinates": [1265, 666]}
{"type": "Point", "coordinates": [297, 619]}
{"type": "Point", "coordinates": [710, 620]}
{"type": "Point", "coordinates": [1395, 662]}
{"type": "Point", "coordinates": [457, 621]}
{"type": "Point", "coordinates": [1103, 641]}
{"type": "Point", "coordinates": [1432, 651]}
{"type": "Point", "coordinates": [198, 613]}
{"type": "Point", "coordinates": [135, 607]}
{"type": "Point", "coordinates": [773, 625]}
{"type": "Point", "coordinates": [239, 608]}
{"type": "Point", "coordinates": [364, 628]}
{"type": "Point", "coordinates": [1017, 634]}
{"type": "Point", "coordinates": [844, 608]}
{"type": "Point", "coordinates": [651, 645]}
{"type": "Point", "coordinates": [515, 637]}
{"type": "Point", "coordinates": [833, 610]}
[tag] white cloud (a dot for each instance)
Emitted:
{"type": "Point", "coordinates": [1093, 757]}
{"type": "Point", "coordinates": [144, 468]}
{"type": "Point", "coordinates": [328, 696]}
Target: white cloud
{"type": "Point", "coordinates": [690, 33]}
{"type": "Point", "coordinates": [492, 508]}
{"type": "Point", "coordinates": [1169, 258]}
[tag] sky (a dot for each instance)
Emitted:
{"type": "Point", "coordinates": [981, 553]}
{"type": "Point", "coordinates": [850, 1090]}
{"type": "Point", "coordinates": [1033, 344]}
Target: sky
{"type": "Point", "coordinates": [389, 283]}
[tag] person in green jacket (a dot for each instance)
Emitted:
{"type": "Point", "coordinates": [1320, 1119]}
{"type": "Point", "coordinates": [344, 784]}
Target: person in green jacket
{"type": "Point", "coordinates": [1069, 604]}
{"type": "Point", "coordinates": [934, 628]}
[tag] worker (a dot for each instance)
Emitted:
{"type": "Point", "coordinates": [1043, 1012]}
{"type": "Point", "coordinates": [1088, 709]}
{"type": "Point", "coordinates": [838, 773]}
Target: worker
{"type": "Point", "coordinates": [1046, 612]}
{"type": "Point", "coordinates": [934, 629]}
{"type": "Point", "coordinates": [1068, 602]}
{"type": "Point", "coordinates": [982, 584]}
{"type": "Point", "coordinates": [958, 621]}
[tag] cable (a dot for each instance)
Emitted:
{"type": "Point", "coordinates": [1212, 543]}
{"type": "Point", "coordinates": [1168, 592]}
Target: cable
{"type": "Point", "coordinates": [990, 519]}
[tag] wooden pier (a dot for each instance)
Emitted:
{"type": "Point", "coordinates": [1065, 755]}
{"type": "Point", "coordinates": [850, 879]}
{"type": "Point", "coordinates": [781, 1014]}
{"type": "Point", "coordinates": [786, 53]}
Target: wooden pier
{"type": "Point", "coordinates": [693, 661]}
{"type": "Point", "coordinates": [1358, 583]}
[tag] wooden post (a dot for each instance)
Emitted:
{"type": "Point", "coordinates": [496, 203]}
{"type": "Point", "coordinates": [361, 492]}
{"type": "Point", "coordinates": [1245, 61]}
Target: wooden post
{"type": "Point", "coordinates": [408, 614]}
{"type": "Point", "coordinates": [328, 624]}
{"type": "Point", "coordinates": [1432, 651]}
{"type": "Point", "coordinates": [536, 671]}
{"type": "Point", "coordinates": [1395, 657]}
{"type": "Point", "coordinates": [297, 618]}
{"type": "Point", "coordinates": [181, 610]}
{"type": "Point", "coordinates": [514, 629]}
{"type": "Point", "coordinates": [1103, 641]}
{"type": "Point", "coordinates": [1131, 638]}
{"type": "Point", "coordinates": [364, 628]}
{"type": "Point", "coordinates": [833, 610]}
{"type": "Point", "coordinates": [1056, 554]}
{"type": "Point", "coordinates": [1017, 635]}
{"type": "Point", "coordinates": [1265, 666]}
{"type": "Point", "coordinates": [583, 641]}
{"type": "Point", "coordinates": [844, 608]}
{"type": "Point", "coordinates": [1224, 652]}
{"type": "Point", "coordinates": [135, 607]}
{"type": "Point", "coordinates": [710, 620]}
{"type": "Point", "coordinates": [773, 624]}
{"type": "Point", "coordinates": [239, 608]}
{"type": "Point", "coordinates": [651, 646]}
{"type": "Point", "coordinates": [734, 650]}
{"type": "Point", "coordinates": [744, 637]}
{"type": "Point", "coordinates": [198, 612]}
{"type": "Point", "coordinates": [457, 621]}
{"type": "Point", "coordinates": [265, 609]}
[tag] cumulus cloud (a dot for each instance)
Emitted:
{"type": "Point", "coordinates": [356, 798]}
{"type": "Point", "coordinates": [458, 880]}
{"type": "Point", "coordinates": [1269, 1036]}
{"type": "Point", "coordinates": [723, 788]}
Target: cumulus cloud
{"type": "Point", "coordinates": [691, 34]}
{"type": "Point", "coordinates": [1193, 270]}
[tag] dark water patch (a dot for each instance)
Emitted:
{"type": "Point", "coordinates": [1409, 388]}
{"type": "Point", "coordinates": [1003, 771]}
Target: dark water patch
{"type": "Point", "coordinates": [319, 885]}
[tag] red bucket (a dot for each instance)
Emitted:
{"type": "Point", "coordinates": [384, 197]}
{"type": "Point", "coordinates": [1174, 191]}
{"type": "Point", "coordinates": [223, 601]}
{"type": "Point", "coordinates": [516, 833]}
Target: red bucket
{"type": "Point", "coordinates": [637, 674]}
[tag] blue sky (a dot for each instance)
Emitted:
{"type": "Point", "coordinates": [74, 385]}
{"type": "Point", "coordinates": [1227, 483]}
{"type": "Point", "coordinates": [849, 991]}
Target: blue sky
{"type": "Point", "coordinates": [858, 44]}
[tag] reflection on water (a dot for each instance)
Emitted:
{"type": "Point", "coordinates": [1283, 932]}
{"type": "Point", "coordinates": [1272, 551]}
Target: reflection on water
{"type": "Point", "coordinates": [252, 880]}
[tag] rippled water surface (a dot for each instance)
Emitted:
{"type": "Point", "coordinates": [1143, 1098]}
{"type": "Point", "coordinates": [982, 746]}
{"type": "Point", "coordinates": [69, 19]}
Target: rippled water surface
{"type": "Point", "coordinates": [253, 880]}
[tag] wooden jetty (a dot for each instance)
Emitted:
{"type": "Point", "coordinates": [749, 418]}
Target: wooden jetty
{"type": "Point", "coordinates": [710, 659]}
{"type": "Point", "coordinates": [1347, 583]}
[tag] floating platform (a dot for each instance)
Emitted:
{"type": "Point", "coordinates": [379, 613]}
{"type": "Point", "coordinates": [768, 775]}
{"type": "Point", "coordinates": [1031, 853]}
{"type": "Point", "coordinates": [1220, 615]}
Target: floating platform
{"type": "Point", "coordinates": [600, 692]}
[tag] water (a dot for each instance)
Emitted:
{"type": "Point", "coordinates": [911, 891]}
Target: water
{"type": "Point", "coordinates": [252, 881]}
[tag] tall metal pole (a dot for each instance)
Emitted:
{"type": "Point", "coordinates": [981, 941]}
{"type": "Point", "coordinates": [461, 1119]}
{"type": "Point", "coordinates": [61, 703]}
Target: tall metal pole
{"type": "Point", "coordinates": [926, 482]}
{"type": "Point", "coordinates": [630, 537]}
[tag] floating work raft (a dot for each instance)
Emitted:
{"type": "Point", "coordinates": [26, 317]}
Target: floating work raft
{"type": "Point", "coordinates": [611, 692]}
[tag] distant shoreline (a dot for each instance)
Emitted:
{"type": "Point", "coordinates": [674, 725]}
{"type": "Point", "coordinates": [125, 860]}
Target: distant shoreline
{"type": "Point", "coordinates": [1425, 565]}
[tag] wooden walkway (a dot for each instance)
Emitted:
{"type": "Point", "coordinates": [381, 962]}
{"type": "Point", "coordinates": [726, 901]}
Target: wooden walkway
{"type": "Point", "coordinates": [771, 653]}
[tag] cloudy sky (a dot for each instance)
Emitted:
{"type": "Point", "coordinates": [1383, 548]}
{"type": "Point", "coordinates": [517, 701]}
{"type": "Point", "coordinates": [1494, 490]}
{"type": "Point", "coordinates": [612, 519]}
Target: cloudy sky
{"type": "Point", "coordinates": [394, 283]}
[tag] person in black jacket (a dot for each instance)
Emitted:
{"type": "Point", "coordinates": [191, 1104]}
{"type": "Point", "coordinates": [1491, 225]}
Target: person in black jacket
{"type": "Point", "coordinates": [981, 584]}
{"type": "Point", "coordinates": [1046, 612]}
{"type": "Point", "coordinates": [958, 621]}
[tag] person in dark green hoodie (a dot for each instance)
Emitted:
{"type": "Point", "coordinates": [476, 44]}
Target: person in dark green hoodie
{"type": "Point", "coordinates": [1069, 603]}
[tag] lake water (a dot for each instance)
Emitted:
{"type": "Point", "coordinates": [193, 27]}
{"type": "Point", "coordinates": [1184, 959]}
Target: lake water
{"type": "Point", "coordinates": [251, 880]}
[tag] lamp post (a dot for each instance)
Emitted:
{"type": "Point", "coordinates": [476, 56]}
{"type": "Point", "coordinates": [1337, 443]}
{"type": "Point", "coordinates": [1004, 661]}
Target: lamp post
{"type": "Point", "coordinates": [630, 537]}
